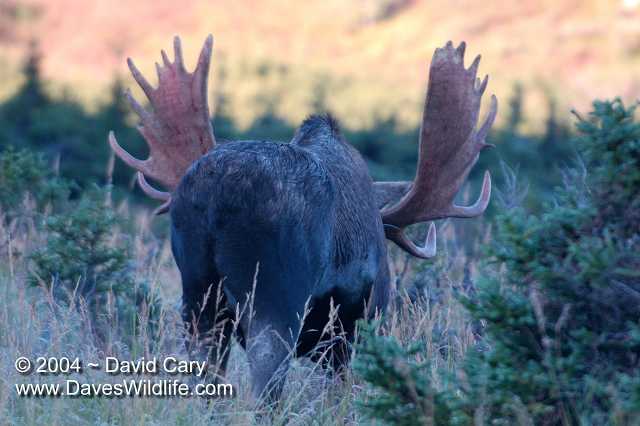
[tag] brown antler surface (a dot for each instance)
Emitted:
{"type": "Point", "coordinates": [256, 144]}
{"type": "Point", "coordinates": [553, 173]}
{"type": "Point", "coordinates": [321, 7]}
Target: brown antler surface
{"type": "Point", "coordinates": [177, 129]}
{"type": "Point", "coordinates": [449, 147]}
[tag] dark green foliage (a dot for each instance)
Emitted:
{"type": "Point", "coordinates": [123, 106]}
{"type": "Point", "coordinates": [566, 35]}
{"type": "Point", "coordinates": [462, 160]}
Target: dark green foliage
{"type": "Point", "coordinates": [538, 157]}
{"type": "Point", "coordinates": [563, 314]}
{"type": "Point", "coordinates": [402, 393]}
{"type": "Point", "coordinates": [612, 149]}
{"type": "Point", "coordinates": [86, 261]}
{"type": "Point", "coordinates": [61, 128]}
{"type": "Point", "coordinates": [113, 116]}
{"type": "Point", "coordinates": [24, 172]}
{"type": "Point", "coordinates": [78, 252]}
{"type": "Point", "coordinates": [515, 116]}
{"type": "Point", "coordinates": [560, 301]}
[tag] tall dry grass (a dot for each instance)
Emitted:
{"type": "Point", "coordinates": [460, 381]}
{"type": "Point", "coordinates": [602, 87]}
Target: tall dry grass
{"type": "Point", "coordinates": [34, 323]}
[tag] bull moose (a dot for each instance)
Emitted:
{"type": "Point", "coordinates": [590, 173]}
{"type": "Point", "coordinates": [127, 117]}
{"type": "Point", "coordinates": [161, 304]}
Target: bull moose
{"type": "Point", "coordinates": [298, 229]}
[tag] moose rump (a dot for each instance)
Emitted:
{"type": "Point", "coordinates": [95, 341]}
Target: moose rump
{"type": "Point", "coordinates": [260, 220]}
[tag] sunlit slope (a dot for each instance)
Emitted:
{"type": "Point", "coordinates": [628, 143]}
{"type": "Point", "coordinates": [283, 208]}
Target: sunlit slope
{"type": "Point", "coordinates": [575, 50]}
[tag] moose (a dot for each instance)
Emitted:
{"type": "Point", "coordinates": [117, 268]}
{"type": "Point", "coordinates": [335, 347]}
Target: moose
{"type": "Point", "coordinates": [296, 229]}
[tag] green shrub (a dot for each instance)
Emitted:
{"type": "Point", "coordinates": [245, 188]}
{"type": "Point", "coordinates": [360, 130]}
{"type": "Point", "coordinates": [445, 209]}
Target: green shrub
{"type": "Point", "coordinates": [85, 260]}
{"type": "Point", "coordinates": [78, 252]}
{"type": "Point", "coordinates": [24, 172]}
{"type": "Point", "coordinates": [560, 301]}
{"type": "Point", "coordinates": [402, 393]}
{"type": "Point", "coordinates": [562, 318]}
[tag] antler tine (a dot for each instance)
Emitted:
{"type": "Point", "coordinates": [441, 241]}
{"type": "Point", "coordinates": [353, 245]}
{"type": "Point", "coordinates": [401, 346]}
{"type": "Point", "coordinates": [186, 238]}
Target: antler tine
{"type": "Point", "coordinates": [488, 122]}
{"type": "Point", "coordinates": [139, 110]}
{"type": "Point", "coordinates": [204, 60]}
{"type": "Point", "coordinates": [177, 128]}
{"type": "Point", "coordinates": [150, 190]}
{"type": "Point", "coordinates": [129, 159]}
{"type": "Point", "coordinates": [177, 52]}
{"type": "Point", "coordinates": [156, 194]}
{"type": "Point", "coordinates": [449, 147]}
{"type": "Point", "coordinates": [165, 58]}
{"type": "Point", "coordinates": [473, 69]}
{"type": "Point", "coordinates": [398, 236]}
{"type": "Point", "coordinates": [163, 208]}
{"type": "Point", "coordinates": [482, 85]}
{"type": "Point", "coordinates": [481, 203]}
{"type": "Point", "coordinates": [460, 49]}
{"type": "Point", "coordinates": [140, 79]}
{"type": "Point", "coordinates": [202, 71]}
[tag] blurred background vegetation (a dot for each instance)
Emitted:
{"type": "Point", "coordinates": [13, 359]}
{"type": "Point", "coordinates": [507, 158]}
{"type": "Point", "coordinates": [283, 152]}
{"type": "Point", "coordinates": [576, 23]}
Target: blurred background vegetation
{"type": "Point", "coordinates": [62, 73]}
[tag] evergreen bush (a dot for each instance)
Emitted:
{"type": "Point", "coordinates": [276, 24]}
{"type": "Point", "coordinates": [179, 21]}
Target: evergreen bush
{"type": "Point", "coordinates": [559, 300]}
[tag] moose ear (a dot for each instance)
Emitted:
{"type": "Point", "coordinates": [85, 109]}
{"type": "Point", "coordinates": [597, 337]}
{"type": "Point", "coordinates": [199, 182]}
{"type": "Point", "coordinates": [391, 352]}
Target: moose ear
{"type": "Point", "coordinates": [177, 128]}
{"type": "Point", "coordinates": [449, 146]}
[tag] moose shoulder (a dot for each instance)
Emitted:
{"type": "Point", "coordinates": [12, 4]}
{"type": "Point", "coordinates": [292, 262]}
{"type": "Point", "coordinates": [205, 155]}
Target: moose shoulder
{"type": "Point", "coordinates": [283, 244]}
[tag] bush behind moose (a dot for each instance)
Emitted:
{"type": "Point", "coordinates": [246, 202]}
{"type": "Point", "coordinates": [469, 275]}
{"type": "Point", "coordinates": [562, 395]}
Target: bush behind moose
{"type": "Point", "coordinates": [559, 300]}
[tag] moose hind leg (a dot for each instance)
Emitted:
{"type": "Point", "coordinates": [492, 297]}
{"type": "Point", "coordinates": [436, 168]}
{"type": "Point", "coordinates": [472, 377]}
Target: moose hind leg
{"type": "Point", "coordinates": [209, 327]}
{"type": "Point", "coordinates": [269, 350]}
{"type": "Point", "coordinates": [208, 322]}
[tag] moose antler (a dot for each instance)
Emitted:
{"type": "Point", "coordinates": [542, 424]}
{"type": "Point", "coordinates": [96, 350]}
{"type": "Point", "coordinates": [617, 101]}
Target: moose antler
{"type": "Point", "coordinates": [178, 130]}
{"type": "Point", "coordinates": [449, 147]}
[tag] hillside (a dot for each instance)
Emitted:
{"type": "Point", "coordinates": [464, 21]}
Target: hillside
{"type": "Point", "coordinates": [374, 53]}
